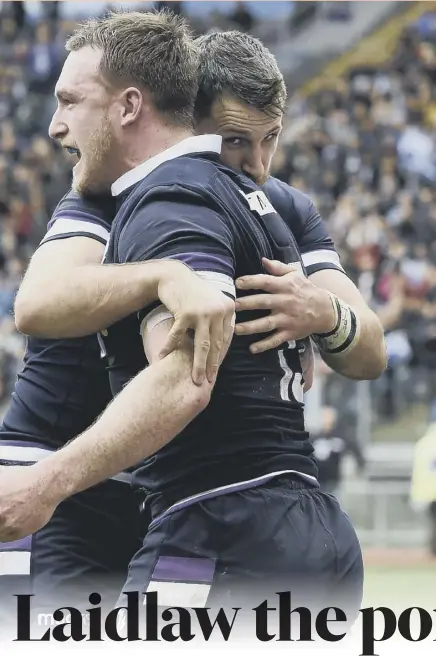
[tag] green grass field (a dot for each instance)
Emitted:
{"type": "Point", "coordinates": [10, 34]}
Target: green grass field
{"type": "Point", "coordinates": [401, 586]}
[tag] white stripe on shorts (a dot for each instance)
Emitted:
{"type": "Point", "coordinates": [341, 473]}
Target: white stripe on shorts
{"type": "Point", "coordinates": [14, 563]}
{"type": "Point", "coordinates": [186, 595]}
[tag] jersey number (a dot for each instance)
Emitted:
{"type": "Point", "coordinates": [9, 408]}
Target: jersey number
{"type": "Point", "coordinates": [291, 383]}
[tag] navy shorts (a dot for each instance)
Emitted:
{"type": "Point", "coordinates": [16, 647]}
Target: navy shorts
{"type": "Point", "coordinates": [85, 547]}
{"type": "Point", "coordinates": [242, 547]}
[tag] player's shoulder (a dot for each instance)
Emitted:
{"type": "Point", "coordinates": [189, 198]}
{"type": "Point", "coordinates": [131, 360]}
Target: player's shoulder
{"type": "Point", "coordinates": [294, 206]}
{"type": "Point", "coordinates": [188, 173]}
{"type": "Point", "coordinates": [292, 199]}
{"type": "Point", "coordinates": [184, 182]}
{"type": "Point", "coordinates": [99, 208]}
{"type": "Point", "coordinates": [78, 215]}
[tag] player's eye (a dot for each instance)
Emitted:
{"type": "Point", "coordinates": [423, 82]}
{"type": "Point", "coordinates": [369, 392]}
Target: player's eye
{"type": "Point", "coordinates": [236, 142]}
{"type": "Point", "coordinates": [271, 137]}
{"type": "Point", "coordinates": [65, 101]}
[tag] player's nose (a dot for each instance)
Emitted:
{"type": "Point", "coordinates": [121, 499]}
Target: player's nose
{"type": "Point", "coordinates": [253, 166]}
{"type": "Point", "coordinates": [57, 128]}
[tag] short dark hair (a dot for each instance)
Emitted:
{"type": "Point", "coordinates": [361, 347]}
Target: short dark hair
{"type": "Point", "coordinates": [238, 64]}
{"type": "Point", "coordinates": [153, 50]}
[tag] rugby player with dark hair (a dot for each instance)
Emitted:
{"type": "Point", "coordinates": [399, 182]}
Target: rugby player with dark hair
{"type": "Point", "coordinates": [242, 97]}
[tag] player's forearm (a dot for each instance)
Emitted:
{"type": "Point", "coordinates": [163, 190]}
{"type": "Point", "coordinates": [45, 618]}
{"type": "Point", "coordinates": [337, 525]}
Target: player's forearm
{"type": "Point", "coordinates": [150, 411]}
{"type": "Point", "coordinates": [86, 299]}
{"type": "Point", "coordinates": [366, 359]}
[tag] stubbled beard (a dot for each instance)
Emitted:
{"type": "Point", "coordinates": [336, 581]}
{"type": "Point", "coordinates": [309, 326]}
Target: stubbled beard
{"type": "Point", "coordinates": [94, 179]}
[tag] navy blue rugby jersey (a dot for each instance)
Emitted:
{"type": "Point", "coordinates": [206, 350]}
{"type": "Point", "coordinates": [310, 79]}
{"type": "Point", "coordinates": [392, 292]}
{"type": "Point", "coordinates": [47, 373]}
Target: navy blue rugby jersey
{"type": "Point", "coordinates": [63, 385]}
{"type": "Point", "coordinates": [299, 212]}
{"type": "Point", "coordinates": [194, 209]}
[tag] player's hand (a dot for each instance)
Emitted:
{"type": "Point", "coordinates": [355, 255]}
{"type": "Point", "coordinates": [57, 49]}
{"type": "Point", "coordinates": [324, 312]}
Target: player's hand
{"type": "Point", "coordinates": [297, 307]}
{"type": "Point", "coordinates": [24, 508]}
{"type": "Point", "coordinates": [201, 307]}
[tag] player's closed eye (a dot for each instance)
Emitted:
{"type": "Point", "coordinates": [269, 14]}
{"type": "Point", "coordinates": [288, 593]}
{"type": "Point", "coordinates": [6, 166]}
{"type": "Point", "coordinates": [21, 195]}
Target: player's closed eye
{"type": "Point", "coordinates": [65, 99]}
{"type": "Point", "coordinates": [239, 142]}
{"type": "Point", "coordinates": [236, 142]}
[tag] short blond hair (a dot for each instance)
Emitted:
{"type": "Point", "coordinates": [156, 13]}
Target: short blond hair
{"type": "Point", "coordinates": [152, 50]}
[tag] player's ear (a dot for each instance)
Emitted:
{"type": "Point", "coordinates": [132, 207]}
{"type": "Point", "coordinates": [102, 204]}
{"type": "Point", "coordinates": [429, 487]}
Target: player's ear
{"type": "Point", "coordinates": [131, 105]}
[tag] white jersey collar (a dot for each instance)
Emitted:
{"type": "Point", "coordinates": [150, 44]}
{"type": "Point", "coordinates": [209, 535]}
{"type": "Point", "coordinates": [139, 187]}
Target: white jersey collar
{"type": "Point", "coordinates": [204, 143]}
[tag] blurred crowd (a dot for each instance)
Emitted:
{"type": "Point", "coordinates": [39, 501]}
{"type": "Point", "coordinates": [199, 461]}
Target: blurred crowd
{"type": "Point", "coordinates": [363, 149]}
{"type": "Point", "coordinates": [32, 172]}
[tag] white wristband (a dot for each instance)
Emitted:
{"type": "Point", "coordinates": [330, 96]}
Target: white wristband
{"type": "Point", "coordinates": [345, 333]}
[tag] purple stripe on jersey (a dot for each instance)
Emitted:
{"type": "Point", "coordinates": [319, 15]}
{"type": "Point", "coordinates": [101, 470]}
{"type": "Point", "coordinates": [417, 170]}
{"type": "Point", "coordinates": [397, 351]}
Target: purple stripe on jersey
{"type": "Point", "coordinates": [24, 544]}
{"type": "Point", "coordinates": [37, 445]}
{"type": "Point", "coordinates": [206, 262]}
{"type": "Point", "coordinates": [189, 570]}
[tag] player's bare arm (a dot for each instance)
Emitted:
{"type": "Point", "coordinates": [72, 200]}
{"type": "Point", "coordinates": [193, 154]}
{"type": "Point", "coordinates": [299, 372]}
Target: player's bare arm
{"type": "Point", "coordinates": [300, 306]}
{"type": "Point", "coordinates": [149, 412]}
{"type": "Point", "coordinates": [66, 292]}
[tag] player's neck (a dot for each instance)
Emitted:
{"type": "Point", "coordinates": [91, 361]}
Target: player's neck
{"type": "Point", "coordinates": [152, 142]}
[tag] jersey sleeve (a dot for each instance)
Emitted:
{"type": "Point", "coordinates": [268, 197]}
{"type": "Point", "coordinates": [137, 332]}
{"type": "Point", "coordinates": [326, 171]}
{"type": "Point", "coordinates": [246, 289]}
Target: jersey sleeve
{"type": "Point", "coordinates": [298, 210]}
{"type": "Point", "coordinates": [183, 226]}
{"type": "Point", "coordinates": [317, 249]}
{"type": "Point", "coordinates": [78, 216]}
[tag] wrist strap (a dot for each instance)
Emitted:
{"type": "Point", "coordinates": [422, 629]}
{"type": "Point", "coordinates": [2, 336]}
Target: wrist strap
{"type": "Point", "coordinates": [345, 333]}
